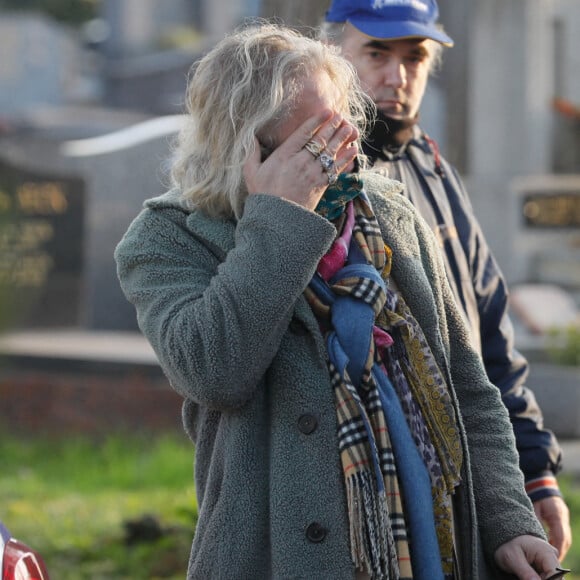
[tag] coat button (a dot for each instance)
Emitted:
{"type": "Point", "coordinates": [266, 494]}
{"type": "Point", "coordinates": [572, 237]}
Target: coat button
{"type": "Point", "coordinates": [315, 533]}
{"type": "Point", "coordinates": [297, 327]}
{"type": "Point", "coordinates": [307, 424]}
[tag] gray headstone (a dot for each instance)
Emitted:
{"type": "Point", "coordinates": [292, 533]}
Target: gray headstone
{"type": "Point", "coordinates": [121, 170]}
{"type": "Point", "coordinates": [41, 246]}
{"type": "Point", "coordinates": [547, 231]}
{"type": "Point", "coordinates": [111, 176]}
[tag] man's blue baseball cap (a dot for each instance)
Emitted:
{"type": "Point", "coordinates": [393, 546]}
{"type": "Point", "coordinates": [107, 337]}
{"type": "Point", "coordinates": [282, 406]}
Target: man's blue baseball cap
{"type": "Point", "coordinates": [390, 19]}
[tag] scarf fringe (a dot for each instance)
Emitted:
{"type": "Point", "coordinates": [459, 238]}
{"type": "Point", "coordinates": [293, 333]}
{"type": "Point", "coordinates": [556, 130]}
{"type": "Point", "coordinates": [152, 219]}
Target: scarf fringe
{"type": "Point", "coordinates": [371, 537]}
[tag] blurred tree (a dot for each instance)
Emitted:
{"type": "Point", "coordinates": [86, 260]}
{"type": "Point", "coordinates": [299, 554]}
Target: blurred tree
{"type": "Point", "coordinates": [69, 11]}
{"type": "Point", "coordinates": [299, 14]}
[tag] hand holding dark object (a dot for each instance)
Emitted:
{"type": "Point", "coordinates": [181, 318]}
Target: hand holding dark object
{"type": "Point", "coordinates": [528, 558]}
{"type": "Point", "coordinates": [561, 572]}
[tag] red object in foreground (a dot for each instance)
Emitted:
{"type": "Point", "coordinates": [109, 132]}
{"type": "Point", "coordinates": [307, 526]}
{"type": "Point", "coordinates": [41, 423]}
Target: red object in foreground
{"type": "Point", "coordinates": [18, 561]}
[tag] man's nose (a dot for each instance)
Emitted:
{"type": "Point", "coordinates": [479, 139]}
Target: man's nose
{"type": "Point", "coordinates": [395, 74]}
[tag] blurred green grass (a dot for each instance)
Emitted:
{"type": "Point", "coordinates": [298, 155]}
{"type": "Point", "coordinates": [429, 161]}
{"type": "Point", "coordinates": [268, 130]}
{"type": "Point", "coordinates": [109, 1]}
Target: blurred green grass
{"type": "Point", "coordinates": [570, 487]}
{"type": "Point", "coordinates": [73, 499]}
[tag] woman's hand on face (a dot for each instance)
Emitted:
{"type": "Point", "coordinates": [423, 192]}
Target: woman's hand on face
{"type": "Point", "coordinates": [293, 172]}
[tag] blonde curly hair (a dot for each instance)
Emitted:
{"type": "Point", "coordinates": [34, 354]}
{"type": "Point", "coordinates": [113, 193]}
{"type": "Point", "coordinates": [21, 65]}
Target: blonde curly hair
{"type": "Point", "coordinates": [242, 89]}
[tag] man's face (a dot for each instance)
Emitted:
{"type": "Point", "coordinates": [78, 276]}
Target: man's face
{"type": "Point", "coordinates": [394, 73]}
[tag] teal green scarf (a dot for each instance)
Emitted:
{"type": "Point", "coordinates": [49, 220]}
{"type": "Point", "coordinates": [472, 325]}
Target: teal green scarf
{"type": "Point", "coordinates": [332, 204]}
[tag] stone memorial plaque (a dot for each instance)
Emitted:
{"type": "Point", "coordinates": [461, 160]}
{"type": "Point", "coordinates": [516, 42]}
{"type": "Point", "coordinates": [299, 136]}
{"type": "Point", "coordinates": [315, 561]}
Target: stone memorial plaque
{"type": "Point", "coordinates": [547, 236]}
{"type": "Point", "coordinates": [548, 209]}
{"type": "Point", "coordinates": [41, 247]}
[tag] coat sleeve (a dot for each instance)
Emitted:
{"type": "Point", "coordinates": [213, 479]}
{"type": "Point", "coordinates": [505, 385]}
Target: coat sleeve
{"type": "Point", "coordinates": [539, 451]}
{"type": "Point", "coordinates": [216, 327]}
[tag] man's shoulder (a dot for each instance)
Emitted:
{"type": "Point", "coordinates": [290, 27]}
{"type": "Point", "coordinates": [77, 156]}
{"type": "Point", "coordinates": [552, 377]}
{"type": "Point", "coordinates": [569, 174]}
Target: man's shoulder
{"type": "Point", "coordinates": [422, 143]}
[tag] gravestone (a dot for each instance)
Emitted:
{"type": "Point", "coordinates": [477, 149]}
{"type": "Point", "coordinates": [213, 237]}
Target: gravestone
{"type": "Point", "coordinates": [122, 170]}
{"type": "Point", "coordinates": [547, 243]}
{"type": "Point", "coordinates": [67, 203]}
{"type": "Point", "coordinates": [41, 237]}
{"type": "Point", "coordinates": [102, 182]}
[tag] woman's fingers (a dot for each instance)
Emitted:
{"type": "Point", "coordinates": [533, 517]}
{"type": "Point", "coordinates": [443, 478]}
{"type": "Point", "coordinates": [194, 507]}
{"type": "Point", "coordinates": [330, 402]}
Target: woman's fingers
{"type": "Point", "coordinates": [341, 147]}
{"type": "Point", "coordinates": [306, 132]}
{"type": "Point", "coordinates": [334, 145]}
{"type": "Point", "coordinates": [324, 132]}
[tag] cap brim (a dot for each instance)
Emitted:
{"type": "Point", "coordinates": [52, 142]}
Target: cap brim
{"type": "Point", "coordinates": [399, 30]}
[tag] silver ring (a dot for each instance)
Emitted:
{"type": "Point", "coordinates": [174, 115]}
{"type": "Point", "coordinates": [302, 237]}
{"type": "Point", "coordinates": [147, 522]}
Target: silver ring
{"type": "Point", "coordinates": [332, 177]}
{"type": "Point", "coordinates": [314, 147]}
{"type": "Point", "coordinates": [327, 162]}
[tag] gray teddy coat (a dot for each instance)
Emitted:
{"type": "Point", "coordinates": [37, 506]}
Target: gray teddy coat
{"type": "Point", "coordinates": [222, 304]}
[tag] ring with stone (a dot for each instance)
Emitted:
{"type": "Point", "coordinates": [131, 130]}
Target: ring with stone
{"type": "Point", "coordinates": [314, 147]}
{"type": "Point", "coordinates": [332, 177]}
{"type": "Point", "coordinates": [327, 162]}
